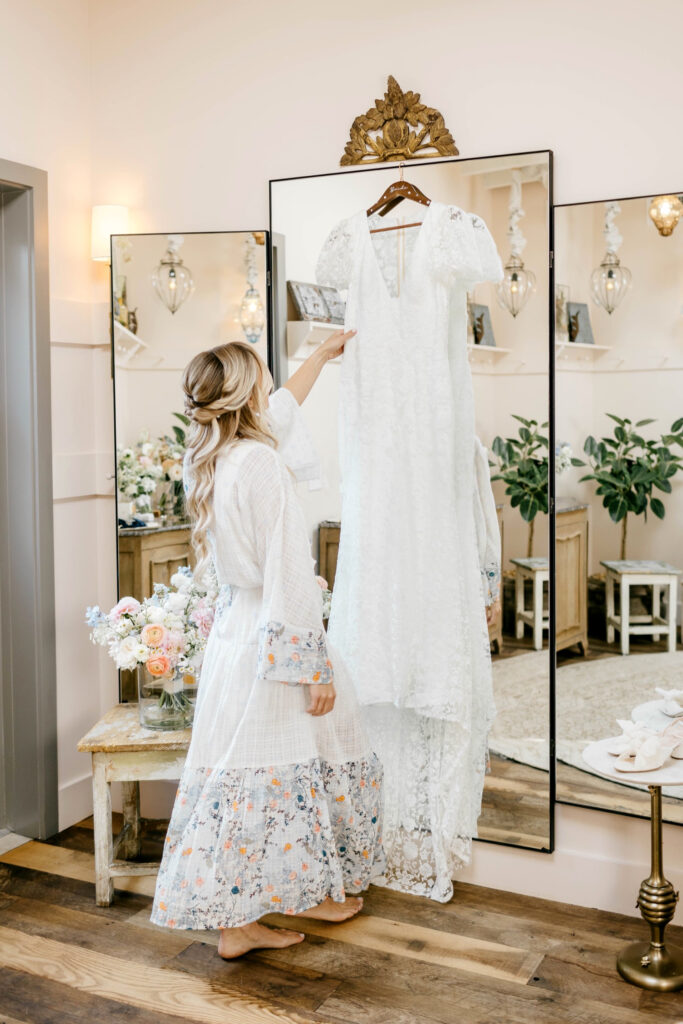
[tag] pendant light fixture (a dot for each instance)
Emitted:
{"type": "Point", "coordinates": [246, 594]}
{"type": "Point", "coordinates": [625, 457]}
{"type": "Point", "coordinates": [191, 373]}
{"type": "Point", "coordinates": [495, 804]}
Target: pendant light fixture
{"type": "Point", "coordinates": [252, 315]}
{"type": "Point", "coordinates": [610, 281]}
{"type": "Point", "coordinates": [172, 280]}
{"type": "Point", "coordinates": [665, 212]}
{"type": "Point", "coordinates": [514, 291]}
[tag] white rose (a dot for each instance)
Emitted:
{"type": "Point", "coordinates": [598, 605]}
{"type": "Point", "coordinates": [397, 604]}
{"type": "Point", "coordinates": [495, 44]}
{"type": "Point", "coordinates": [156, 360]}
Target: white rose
{"type": "Point", "coordinates": [177, 603]}
{"type": "Point", "coordinates": [127, 653]}
{"type": "Point", "coordinates": [175, 473]}
{"type": "Point", "coordinates": [147, 448]}
{"type": "Point", "coordinates": [180, 581]}
{"type": "Point", "coordinates": [156, 614]}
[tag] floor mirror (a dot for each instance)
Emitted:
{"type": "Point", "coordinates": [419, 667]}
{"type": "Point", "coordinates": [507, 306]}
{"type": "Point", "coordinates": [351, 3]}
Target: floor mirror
{"type": "Point", "coordinates": [172, 296]}
{"type": "Point", "coordinates": [507, 360]}
{"type": "Point", "coordinates": [619, 408]}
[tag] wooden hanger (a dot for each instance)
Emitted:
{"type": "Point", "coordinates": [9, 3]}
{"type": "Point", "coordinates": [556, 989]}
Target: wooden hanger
{"type": "Point", "coordinates": [394, 195]}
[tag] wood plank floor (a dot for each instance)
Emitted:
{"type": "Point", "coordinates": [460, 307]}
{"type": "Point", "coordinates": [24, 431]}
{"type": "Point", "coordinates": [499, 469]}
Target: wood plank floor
{"type": "Point", "coordinates": [485, 957]}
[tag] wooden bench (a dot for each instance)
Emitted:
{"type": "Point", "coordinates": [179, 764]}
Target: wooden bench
{"type": "Point", "coordinates": [123, 751]}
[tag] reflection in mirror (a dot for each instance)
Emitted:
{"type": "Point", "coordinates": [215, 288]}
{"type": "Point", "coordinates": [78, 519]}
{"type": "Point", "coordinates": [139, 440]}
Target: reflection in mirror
{"type": "Point", "coordinates": [619, 429]}
{"type": "Point", "coordinates": [172, 296]}
{"type": "Point", "coordinates": [409, 403]}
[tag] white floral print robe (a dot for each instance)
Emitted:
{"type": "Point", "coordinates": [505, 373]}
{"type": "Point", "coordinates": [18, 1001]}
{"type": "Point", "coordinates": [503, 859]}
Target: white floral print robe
{"type": "Point", "coordinates": [276, 809]}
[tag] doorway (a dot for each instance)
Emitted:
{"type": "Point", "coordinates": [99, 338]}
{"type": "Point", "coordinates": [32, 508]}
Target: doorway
{"type": "Point", "coordinates": [28, 725]}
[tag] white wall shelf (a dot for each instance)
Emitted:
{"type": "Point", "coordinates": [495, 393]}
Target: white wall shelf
{"type": "Point", "coordinates": [305, 335]}
{"type": "Point", "coordinates": [126, 344]}
{"type": "Point", "coordinates": [572, 350]}
{"type": "Point", "coordinates": [486, 353]}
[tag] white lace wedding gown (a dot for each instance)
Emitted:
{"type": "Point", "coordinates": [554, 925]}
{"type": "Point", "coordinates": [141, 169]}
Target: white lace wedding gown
{"type": "Point", "coordinates": [420, 551]}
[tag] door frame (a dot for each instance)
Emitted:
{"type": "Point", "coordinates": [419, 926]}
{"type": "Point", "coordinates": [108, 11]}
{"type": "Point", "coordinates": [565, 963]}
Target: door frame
{"type": "Point", "coordinates": [28, 700]}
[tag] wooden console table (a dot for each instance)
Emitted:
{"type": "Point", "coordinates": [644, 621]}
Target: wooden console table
{"type": "Point", "coordinates": [123, 751]}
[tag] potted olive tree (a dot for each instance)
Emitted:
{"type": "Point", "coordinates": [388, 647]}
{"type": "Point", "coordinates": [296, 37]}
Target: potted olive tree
{"type": "Point", "coordinates": [629, 469]}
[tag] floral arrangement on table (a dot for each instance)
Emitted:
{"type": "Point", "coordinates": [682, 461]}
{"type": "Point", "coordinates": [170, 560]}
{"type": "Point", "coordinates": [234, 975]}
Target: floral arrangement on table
{"type": "Point", "coordinates": [165, 633]}
{"type": "Point", "coordinates": [327, 596]}
{"type": "Point", "coordinates": [152, 462]}
{"type": "Point", "coordinates": [138, 473]}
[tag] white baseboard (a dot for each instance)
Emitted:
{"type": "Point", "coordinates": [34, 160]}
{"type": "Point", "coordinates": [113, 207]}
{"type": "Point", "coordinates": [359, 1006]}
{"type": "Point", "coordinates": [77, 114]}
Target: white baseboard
{"type": "Point", "coordinates": [599, 861]}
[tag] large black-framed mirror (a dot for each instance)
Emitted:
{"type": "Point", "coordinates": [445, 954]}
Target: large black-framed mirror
{"type": "Point", "coordinates": [172, 295]}
{"type": "Point", "coordinates": [510, 358]}
{"type": "Point", "coordinates": [619, 369]}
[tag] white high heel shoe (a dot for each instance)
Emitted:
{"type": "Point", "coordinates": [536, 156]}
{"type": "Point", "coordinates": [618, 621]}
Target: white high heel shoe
{"type": "Point", "coordinates": [651, 754]}
{"type": "Point", "coordinates": [633, 736]}
{"type": "Point", "coordinates": [671, 706]}
{"type": "Point", "coordinates": [675, 732]}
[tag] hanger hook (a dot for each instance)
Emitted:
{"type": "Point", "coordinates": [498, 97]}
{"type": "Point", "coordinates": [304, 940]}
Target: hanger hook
{"type": "Point", "coordinates": [400, 167]}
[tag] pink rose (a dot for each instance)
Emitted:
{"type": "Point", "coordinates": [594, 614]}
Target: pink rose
{"type": "Point", "coordinates": [153, 634]}
{"type": "Point", "coordinates": [126, 606]}
{"type": "Point", "coordinates": [159, 665]}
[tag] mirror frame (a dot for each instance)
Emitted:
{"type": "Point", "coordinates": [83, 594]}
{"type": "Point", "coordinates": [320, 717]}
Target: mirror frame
{"type": "Point", "coordinates": [558, 799]}
{"type": "Point", "coordinates": [125, 696]}
{"type": "Point", "coordinates": [278, 349]}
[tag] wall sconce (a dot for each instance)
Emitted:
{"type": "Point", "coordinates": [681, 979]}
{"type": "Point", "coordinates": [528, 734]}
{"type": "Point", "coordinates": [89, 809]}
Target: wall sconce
{"type": "Point", "coordinates": [665, 212]}
{"type": "Point", "coordinates": [106, 221]}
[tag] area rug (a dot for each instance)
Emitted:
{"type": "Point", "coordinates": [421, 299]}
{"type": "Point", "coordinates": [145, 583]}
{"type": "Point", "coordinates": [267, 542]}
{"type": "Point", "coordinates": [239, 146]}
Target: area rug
{"type": "Point", "coordinates": [591, 696]}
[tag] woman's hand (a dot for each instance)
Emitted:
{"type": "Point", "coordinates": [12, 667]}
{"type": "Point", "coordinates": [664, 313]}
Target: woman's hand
{"type": "Point", "coordinates": [492, 612]}
{"type": "Point", "coordinates": [301, 382]}
{"type": "Point", "coordinates": [334, 345]}
{"type": "Point", "coordinates": [322, 698]}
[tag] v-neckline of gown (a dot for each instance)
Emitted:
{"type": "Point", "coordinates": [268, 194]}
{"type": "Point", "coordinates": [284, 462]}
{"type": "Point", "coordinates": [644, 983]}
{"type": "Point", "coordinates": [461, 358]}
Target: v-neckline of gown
{"type": "Point", "coordinates": [409, 265]}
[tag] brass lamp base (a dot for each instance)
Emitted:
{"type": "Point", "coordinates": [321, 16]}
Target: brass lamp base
{"type": "Point", "coordinates": [660, 970]}
{"type": "Point", "coordinates": [653, 965]}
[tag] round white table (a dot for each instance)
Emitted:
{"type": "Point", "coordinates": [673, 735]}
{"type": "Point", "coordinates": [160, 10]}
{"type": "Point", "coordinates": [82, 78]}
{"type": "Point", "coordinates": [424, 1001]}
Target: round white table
{"type": "Point", "coordinates": [650, 965]}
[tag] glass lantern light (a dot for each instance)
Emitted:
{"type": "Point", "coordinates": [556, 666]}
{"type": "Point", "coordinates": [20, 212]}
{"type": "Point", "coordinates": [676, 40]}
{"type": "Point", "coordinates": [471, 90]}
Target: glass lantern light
{"type": "Point", "coordinates": [172, 280]}
{"type": "Point", "coordinates": [610, 281]}
{"type": "Point", "coordinates": [252, 314]}
{"type": "Point", "coordinates": [518, 283]}
{"type": "Point", "coordinates": [665, 213]}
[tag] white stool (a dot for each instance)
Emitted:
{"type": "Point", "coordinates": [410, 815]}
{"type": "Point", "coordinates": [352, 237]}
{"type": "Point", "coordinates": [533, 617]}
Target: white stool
{"type": "Point", "coordinates": [537, 570]}
{"type": "Point", "coordinates": [631, 572]}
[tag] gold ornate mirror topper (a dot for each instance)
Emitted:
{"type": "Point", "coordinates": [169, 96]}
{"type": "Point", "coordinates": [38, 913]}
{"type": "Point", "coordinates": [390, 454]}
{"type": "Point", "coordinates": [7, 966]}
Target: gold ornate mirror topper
{"type": "Point", "coordinates": [399, 127]}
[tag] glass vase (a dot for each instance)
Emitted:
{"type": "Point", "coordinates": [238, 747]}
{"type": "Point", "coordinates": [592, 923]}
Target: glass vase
{"type": "Point", "coordinates": [166, 702]}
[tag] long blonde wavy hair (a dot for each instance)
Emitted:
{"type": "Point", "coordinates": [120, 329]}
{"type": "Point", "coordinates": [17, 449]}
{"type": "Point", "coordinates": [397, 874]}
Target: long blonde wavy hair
{"type": "Point", "coordinates": [225, 402]}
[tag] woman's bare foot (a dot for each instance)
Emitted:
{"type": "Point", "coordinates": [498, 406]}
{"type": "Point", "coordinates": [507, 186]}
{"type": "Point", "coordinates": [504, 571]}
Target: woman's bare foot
{"type": "Point", "coordinates": [238, 941]}
{"type": "Point", "coordinates": [328, 910]}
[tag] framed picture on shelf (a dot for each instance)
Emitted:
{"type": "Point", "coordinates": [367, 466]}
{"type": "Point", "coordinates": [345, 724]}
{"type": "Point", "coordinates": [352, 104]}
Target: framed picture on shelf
{"type": "Point", "coordinates": [482, 330]}
{"type": "Point", "coordinates": [579, 327]}
{"type": "Point", "coordinates": [309, 302]}
{"type": "Point", "coordinates": [336, 306]}
{"type": "Point", "coordinates": [561, 321]}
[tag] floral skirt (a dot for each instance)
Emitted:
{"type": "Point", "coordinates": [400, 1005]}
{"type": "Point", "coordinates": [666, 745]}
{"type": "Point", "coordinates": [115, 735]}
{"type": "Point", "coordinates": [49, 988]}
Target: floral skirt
{"type": "Point", "coordinates": [276, 809]}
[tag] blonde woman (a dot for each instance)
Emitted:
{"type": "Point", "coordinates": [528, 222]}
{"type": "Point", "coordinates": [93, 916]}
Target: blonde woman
{"type": "Point", "coordinates": [280, 803]}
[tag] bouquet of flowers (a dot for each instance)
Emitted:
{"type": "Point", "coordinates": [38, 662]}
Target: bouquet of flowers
{"type": "Point", "coordinates": [171, 452]}
{"type": "Point", "coordinates": [166, 633]}
{"type": "Point", "coordinates": [327, 596]}
{"type": "Point", "coordinates": [138, 472]}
